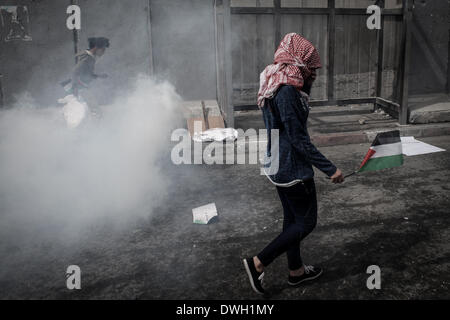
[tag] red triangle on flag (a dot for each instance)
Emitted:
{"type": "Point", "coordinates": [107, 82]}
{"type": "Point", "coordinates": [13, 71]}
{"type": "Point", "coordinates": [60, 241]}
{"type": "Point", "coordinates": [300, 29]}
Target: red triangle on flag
{"type": "Point", "coordinates": [369, 154]}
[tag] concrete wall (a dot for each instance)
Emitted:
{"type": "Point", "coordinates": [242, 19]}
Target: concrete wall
{"type": "Point", "coordinates": [38, 66]}
{"type": "Point", "coordinates": [183, 40]}
{"type": "Point", "coordinates": [183, 47]}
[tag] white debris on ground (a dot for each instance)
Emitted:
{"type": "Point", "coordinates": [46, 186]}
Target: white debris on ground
{"type": "Point", "coordinates": [380, 111]}
{"type": "Point", "coordinates": [216, 134]}
{"type": "Point", "coordinates": [204, 214]}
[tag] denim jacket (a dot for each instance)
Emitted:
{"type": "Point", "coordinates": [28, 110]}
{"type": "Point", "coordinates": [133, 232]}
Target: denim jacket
{"type": "Point", "coordinates": [288, 112]}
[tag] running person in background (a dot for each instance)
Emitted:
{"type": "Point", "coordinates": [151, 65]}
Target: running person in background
{"type": "Point", "coordinates": [83, 73]}
{"type": "Point", "coordinates": [283, 98]}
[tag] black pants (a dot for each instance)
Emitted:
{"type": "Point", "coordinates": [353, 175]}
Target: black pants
{"type": "Point", "coordinates": [300, 218]}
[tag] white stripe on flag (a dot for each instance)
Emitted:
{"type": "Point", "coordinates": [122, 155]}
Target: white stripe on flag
{"type": "Point", "coordinates": [386, 150]}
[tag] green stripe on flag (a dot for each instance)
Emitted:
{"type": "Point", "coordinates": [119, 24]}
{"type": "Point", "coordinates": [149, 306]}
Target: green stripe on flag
{"type": "Point", "coordinates": [383, 163]}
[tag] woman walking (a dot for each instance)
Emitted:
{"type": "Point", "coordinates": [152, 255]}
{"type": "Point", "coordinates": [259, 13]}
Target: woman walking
{"type": "Point", "coordinates": [283, 98]}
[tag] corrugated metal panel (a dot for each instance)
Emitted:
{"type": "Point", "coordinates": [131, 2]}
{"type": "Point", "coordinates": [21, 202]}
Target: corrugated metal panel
{"type": "Point", "coordinates": [253, 46]}
{"type": "Point", "coordinates": [391, 58]}
{"type": "Point", "coordinates": [355, 58]}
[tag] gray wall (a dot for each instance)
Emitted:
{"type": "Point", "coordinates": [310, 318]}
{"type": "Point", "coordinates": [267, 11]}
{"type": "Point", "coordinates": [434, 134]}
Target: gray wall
{"type": "Point", "coordinates": [183, 46]}
{"type": "Point", "coordinates": [430, 45]}
{"type": "Point", "coordinates": [38, 65]}
{"type": "Point", "coordinates": [183, 37]}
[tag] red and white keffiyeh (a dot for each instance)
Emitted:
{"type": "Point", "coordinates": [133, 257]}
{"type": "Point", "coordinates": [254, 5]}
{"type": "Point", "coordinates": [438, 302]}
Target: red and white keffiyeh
{"type": "Point", "coordinates": [294, 60]}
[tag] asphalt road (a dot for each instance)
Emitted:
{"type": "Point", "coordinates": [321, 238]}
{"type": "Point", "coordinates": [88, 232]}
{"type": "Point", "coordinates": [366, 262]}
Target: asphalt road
{"type": "Point", "coordinates": [398, 219]}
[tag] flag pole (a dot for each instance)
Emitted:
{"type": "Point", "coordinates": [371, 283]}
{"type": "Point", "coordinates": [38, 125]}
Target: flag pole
{"type": "Point", "coordinates": [350, 174]}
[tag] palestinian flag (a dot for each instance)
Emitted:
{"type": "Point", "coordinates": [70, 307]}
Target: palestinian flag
{"type": "Point", "coordinates": [385, 152]}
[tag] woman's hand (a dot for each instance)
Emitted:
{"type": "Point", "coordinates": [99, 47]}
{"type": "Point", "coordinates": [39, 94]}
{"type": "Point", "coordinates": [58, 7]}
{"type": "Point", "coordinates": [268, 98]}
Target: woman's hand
{"type": "Point", "coordinates": [337, 177]}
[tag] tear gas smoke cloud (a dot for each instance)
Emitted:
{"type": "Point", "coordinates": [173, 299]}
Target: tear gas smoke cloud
{"type": "Point", "coordinates": [56, 182]}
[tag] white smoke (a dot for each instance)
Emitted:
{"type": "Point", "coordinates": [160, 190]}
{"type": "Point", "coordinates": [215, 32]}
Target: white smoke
{"type": "Point", "coordinates": [57, 182]}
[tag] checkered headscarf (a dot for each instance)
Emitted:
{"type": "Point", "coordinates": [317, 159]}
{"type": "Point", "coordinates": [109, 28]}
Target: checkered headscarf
{"type": "Point", "coordinates": [293, 62]}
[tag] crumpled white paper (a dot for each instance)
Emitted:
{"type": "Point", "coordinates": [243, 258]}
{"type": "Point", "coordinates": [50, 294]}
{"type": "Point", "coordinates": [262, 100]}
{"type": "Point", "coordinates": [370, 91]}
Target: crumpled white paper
{"type": "Point", "coordinates": [203, 214]}
{"type": "Point", "coordinates": [74, 111]}
{"type": "Point", "coordinates": [216, 134]}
